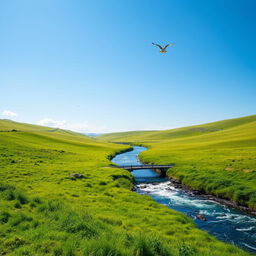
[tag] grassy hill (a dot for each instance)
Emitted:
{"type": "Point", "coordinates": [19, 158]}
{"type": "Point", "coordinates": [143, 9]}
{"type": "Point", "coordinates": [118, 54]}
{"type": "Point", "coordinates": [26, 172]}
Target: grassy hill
{"type": "Point", "coordinates": [155, 136]}
{"type": "Point", "coordinates": [217, 158]}
{"type": "Point", "coordinates": [45, 211]}
{"type": "Point", "coordinates": [8, 125]}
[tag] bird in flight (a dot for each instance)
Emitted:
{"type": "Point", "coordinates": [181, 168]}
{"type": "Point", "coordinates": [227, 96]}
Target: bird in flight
{"type": "Point", "coordinates": [163, 49]}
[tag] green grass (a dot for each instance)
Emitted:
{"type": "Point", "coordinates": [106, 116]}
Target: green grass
{"type": "Point", "coordinates": [44, 211]}
{"type": "Point", "coordinates": [217, 158]}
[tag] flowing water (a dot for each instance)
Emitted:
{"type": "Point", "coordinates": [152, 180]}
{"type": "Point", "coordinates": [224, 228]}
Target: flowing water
{"type": "Point", "coordinates": [226, 223]}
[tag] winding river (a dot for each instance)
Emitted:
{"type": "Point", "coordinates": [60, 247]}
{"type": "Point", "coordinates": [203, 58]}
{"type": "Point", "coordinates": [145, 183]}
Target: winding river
{"type": "Point", "coordinates": [225, 223]}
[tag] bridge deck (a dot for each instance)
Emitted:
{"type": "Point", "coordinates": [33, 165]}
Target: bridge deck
{"type": "Point", "coordinates": [145, 166]}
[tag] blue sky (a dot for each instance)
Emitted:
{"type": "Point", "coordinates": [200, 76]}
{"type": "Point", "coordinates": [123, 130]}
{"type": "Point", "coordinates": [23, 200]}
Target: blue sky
{"type": "Point", "coordinates": [90, 65]}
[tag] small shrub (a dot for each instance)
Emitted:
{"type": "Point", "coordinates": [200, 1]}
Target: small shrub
{"type": "Point", "coordinates": [45, 247]}
{"type": "Point", "coordinates": [185, 250]}
{"type": "Point", "coordinates": [18, 219]}
{"type": "Point", "coordinates": [73, 223]}
{"type": "Point", "coordinates": [4, 187]}
{"type": "Point", "coordinates": [111, 221]}
{"type": "Point", "coordinates": [35, 224]}
{"type": "Point", "coordinates": [21, 198]}
{"type": "Point", "coordinates": [157, 246]}
{"type": "Point", "coordinates": [150, 246]}
{"type": "Point", "coordinates": [242, 197]}
{"type": "Point", "coordinates": [37, 200]}
{"type": "Point", "coordinates": [69, 248]}
{"type": "Point", "coordinates": [103, 247]}
{"type": "Point", "coordinates": [54, 205]}
{"type": "Point", "coordinates": [4, 217]}
{"type": "Point", "coordinates": [24, 252]}
{"type": "Point", "coordinates": [70, 252]}
{"type": "Point", "coordinates": [42, 208]}
{"type": "Point", "coordinates": [14, 243]}
{"type": "Point", "coordinates": [32, 205]}
{"type": "Point", "coordinates": [9, 195]}
{"type": "Point", "coordinates": [17, 205]}
{"type": "Point", "coordinates": [58, 251]}
{"type": "Point", "coordinates": [123, 183]}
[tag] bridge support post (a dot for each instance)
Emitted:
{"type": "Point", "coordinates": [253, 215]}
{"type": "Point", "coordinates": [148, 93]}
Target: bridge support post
{"type": "Point", "coordinates": [162, 172]}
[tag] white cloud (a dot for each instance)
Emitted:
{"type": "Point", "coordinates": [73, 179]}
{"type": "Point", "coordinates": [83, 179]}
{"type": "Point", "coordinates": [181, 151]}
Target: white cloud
{"type": "Point", "coordinates": [53, 123]}
{"type": "Point", "coordinates": [82, 127]}
{"type": "Point", "coordinates": [9, 113]}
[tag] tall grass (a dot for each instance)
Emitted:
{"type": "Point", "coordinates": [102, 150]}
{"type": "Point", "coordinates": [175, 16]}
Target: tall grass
{"type": "Point", "coordinates": [45, 212]}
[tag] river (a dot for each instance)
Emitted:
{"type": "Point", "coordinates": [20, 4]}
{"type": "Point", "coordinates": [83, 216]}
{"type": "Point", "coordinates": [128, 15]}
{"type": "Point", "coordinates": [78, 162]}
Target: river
{"type": "Point", "coordinates": [225, 223]}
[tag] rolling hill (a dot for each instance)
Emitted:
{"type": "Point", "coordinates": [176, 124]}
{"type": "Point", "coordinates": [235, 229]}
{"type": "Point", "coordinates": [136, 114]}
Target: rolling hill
{"type": "Point", "coordinates": [45, 210]}
{"type": "Point", "coordinates": [154, 136]}
{"type": "Point", "coordinates": [216, 158]}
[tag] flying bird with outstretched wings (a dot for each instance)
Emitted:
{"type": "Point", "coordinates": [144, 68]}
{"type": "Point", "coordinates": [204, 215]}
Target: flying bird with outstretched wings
{"type": "Point", "coordinates": [163, 49]}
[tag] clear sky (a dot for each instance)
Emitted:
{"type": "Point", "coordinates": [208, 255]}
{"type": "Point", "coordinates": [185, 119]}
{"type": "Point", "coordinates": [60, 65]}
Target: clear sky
{"type": "Point", "coordinates": [90, 65]}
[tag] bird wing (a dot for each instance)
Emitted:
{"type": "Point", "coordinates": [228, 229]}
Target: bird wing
{"type": "Point", "coordinates": [168, 45]}
{"type": "Point", "coordinates": [158, 46]}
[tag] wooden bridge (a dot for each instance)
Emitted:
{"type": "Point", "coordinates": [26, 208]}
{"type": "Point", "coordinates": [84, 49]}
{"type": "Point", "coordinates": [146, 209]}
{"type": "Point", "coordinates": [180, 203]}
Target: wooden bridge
{"type": "Point", "coordinates": [158, 168]}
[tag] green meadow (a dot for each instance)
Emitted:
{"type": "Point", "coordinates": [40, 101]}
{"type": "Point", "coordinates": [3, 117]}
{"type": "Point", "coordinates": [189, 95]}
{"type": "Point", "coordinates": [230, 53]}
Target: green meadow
{"type": "Point", "coordinates": [216, 158]}
{"type": "Point", "coordinates": [45, 211]}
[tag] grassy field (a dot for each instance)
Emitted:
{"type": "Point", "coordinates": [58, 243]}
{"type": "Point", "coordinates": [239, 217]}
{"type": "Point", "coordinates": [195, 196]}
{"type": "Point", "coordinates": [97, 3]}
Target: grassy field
{"type": "Point", "coordinates": [217, 158]}
{"type": "Point", "coordinates": [44, 211]}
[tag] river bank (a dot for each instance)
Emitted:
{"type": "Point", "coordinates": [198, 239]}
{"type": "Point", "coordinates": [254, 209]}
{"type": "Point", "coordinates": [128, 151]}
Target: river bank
{"type": "Point", "coordinates": [217, 158]}
{"type": "Point", "coordinates": [178, 184]}
{"type": "Point", "coordinates": [221, 218]}
{"type": "Point", "coordinates": [227, 202]}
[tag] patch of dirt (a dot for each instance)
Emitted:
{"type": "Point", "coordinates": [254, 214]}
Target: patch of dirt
{"type": "Point", "coordinates": [247, 170]}
{"type": "Point", "coordinates": [229, 169]}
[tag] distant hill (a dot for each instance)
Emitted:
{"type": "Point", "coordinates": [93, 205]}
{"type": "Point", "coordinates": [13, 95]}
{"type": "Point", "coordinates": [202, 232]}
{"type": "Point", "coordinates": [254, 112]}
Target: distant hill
{"type": "Point", "coordinates": [8, 125]}
{"type": "Point", "coordinates": [154, 136]}
{"type": "Point", "coordinates": [216, 158]}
